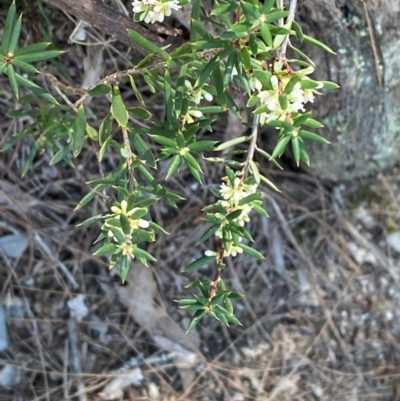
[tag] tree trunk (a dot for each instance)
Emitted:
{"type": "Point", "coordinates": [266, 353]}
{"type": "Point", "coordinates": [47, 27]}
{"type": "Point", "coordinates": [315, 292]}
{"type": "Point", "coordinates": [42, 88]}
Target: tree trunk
{"type": "Point", "coordinates": [362, 118]}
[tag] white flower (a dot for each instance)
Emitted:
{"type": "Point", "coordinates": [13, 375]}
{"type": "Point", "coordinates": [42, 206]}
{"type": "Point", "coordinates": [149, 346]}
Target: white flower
{"type": "Point", "coordinates": [197, 94]}
{"type": "Point", "coordinates": [234, 250]}
{"type": "Point", "coordinates": [255, 84]}
{"type": "Point", "coordinates": [155, 10]}
{"type": "Point", "coordinates": [188, 118]}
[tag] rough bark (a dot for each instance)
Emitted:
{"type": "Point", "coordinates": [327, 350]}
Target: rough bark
{"type": "Point", "coordinates": [107, 20]}
{"type": "Point", "coordinates": [362, 119]}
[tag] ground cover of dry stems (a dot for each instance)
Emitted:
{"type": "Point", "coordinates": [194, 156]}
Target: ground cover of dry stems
{"type": "Point", "coordinates": [320, 316]}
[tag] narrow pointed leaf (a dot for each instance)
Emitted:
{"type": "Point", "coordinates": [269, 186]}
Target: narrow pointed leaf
{"type": "Point", "coordinates": [311, 136]}
{"type": "Point", "coordinates": [8, 27]}
{"type": "Point", "coordinates": [198, 263]}
{"type": "Point", "coordinates": [34, 48]}
{"type": "Point", "coordinates": [147, 44]}
{"type": "Point", "coordinates": [37, 90]}
{"type": "Point", "coordinates": [78, 136]}
{"type": "Point", "coordinates": [45, 55]}
{"type": "Point", "coordinates": [174, 165]}
{"type": "Point", "coordinates": [118, 108]}
{"type": "Point", "coordinates": [195, 319]}
{"type": "Point", "coordinates": [296, 149]}
{"type": "Point", "coordinates": [15, 35]}
{"type": "Point", "coordinates": [252, 252]}
{"type": "Point", "coordinates": [12, 76]}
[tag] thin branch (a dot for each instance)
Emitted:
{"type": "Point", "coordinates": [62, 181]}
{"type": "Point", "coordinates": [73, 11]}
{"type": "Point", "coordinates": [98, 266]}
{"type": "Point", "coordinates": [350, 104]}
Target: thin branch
{"type": "Point", "coordinates": [290, 19]}
{"type": "Point", "coordinates": [253, 143]}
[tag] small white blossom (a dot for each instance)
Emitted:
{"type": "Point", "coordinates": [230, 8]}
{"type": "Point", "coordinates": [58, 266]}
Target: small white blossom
{"type": "Point", "coordinates": [197, 94]}
{"type": "Point", "coordinates": [188, 118]}
{"type": "Point", "coordinates": [234, 250]}
{"type": "Point", "coordinates": [155, 10]}
{"type": "Point", "coordinates": [255, 84]}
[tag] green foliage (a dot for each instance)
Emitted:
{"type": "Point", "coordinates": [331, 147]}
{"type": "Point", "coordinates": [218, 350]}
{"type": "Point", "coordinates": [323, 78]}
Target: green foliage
{"type": "Point", "coordinates": [195, 81]}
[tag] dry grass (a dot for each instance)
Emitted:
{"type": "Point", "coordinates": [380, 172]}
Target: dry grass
{"type": "Point", "coordinates": [320, 316]}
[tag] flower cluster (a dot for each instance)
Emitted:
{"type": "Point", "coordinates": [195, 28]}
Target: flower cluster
{"type": "Point", "coordinates": [295, 99]}
{"type": "Point", "coordinates": [232, 192]}
{"type": "Point", "coordinates": [154, 10]}
{"type": "Point", "coordinates": [113, 224]}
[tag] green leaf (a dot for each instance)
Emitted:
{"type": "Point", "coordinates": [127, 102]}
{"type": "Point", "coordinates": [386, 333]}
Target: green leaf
{"type": "Point", "coordinates": [90, 196]}
{"type": "Point", "coordinates": [210, 231]}
{"type": "Point", "coordinates": [290, 85]}
{"type": "Point", "coordinates": [104, 148]}
{"type": "Point", "coordinates": [206, 72]}
{"type": "Point", "coordinates": [266, 7]}
{"type": "Point", "coordinates": [296, 149]}
{"type": "Point", "coordinates": [78, 136]}
{"type": "Point", "coordinates": [254, 170]}
{"type": "Point", "coordinates": [264, 77]}
{"type": "Point", "coordinates": [141, 253]}
{"type": "Point", "coordinates": [187, 301]}
{"type": "Point", "coordinates": [330, 85]}
{"type": "Point", "coordinates": [174, 165]}
{"type": "Point", "coordinates": [192, 162]}
{"type": "Point", "coordinates": [311, 136]}
{"type": "Point", "coordinates": [143, 150]}
{"type": "Point", "coordinates": [45, 55]}
{"type": "Point", "coordinates": [124, 267]}
{"type": "Point", "coordinates": [195, 319]}
{"type": "Point", "coordinates": [24, 66]}
{"type": "Point", "coordinates": [125, 225]}
{"type": "Point", "coordinates": [232, 142]}
{"type": "Point", "coordinates": [270, 183]}
{"type": "Point", "coordinates": [92, 220]}
{"type": "Point", "coordinates": [233, 215]}
{"type": "Point", "coordinates": [8, 27]}
{"type": "Point", "coordinates": [275, 15]}
{"type": "Point", "coordinates": [162, 140]}
{"type": "Point", "coordinates": [303, 154]}
{"type": "Point", "coordinates": [250, 198]}
{"type": "Point", "coordinates": [107, 248]}
{"type": "Point", "coordinates": [30, 157]}
{"type": "Point", "coordinates": [147, 44]}
{"type": "Point", "coordinates": [269, 157]}
{"type": "Point", "coordinates": [100, 90]}
{"type": "Point", "coordinates": [280, 146]}
{"type": "Point", "coordinates": [229, 68]}
{"type": "Point", "coordinates": [34, 48]}
{"type": "Point", "coordinates": [266, 35]}
{"type": "Point", "coordinates": [299, 32]}
{"type": "Point", "coordinates": [62, 154]}
{"type": "Point", "coordinates": [283, 102]}
{"type": "Point", "coordinates": [219, 86]}
{"type": "Point", "coordinates": [168, 95]}
{"type": "Point", "coordinates": [136, 91]}
{"type": "Point", "coordinates": [253, 44]}
{"type": "Point", "coordinates": [252, 252]}
{"type": "Point", "coordinates": [12, 76]}
{"type": "Point", "coordinates": [15, 35]}
{"type": "Point", "coordinates": [37, 90]}
{"type": "Point", "coordinates": [198, 263]}
{"type": "Point", "coordinates": [200, 146]}
{"type": "Point", "coordinates": [317, 43]}
{"type": "Point", "coordinates": [309, 84]}
{"type": "Point", "coordinates": [310, 122]}
{"type": "Point", "coordinates": [105, 129]}
{"type": "Point", "coordinates": [140, 112]}
{"type": "Point", "coordinates": [118, 108]}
